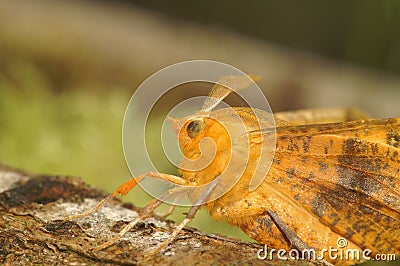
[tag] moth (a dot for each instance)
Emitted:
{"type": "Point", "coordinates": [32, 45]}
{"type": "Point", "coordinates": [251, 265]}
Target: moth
{"type": "Point", "coordinates": [331, 174]}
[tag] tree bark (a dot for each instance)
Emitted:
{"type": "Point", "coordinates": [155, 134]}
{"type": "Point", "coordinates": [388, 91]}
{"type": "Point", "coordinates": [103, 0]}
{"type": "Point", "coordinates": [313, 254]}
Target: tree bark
{"type": "Point", "coordinates": [32, 231]}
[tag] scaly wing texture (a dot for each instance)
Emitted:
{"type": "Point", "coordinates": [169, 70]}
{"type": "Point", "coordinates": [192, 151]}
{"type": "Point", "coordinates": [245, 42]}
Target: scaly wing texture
{"type": "Point", "coordinates": [347, 175]}
{"type": "Point", "coordinates": [321, 115]}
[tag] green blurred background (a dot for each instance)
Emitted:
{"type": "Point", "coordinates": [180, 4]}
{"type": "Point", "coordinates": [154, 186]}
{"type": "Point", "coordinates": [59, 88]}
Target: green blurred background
{"type": "Point", "coordinates": [68, 69]}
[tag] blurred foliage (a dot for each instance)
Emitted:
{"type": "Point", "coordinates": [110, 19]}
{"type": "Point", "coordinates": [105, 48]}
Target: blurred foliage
{"type": "Point", "coordinates": [42, 129]}
{"type": "Point", "coordinates": [365, 32]}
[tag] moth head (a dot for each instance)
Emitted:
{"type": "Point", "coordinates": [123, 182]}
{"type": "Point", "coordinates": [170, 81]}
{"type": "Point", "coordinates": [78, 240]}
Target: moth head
{"type": "Point", "coordinates": [198, 130]}
{"type": "Point", "coordinates": [202, 141]}
{"type": "Point", "coordinates": [191, 127]}
{"type": "Point", "coordinates": [195, 127]}
{"type": "Point", "coordinates": [188, 129]}
{"type": "Point", "coordinates": [193, 130]}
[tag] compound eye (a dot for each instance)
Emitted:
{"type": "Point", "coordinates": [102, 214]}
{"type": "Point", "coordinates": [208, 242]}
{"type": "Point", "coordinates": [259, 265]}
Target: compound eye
{"type": "Point", "coordinates": [194, 128]}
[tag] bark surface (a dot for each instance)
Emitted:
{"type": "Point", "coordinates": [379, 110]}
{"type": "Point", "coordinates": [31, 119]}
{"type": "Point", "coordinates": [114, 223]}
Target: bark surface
{"type": "Point", "coordinates": [32, 231]}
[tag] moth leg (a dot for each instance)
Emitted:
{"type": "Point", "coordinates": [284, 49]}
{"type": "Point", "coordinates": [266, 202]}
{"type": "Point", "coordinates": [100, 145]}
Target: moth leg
{"type": "Point", "coordinates": [145, 213]}
{"type": "Point", "coordinates": [168, 212]}
{"type": "Point", "coordinates": [124, 189]}
{"type": "Point", "coordinates": [91, 210]}
{"type": "Point", "coordinates": [192, 212]}
{"type": "Point", "coordinates": [294, 240]}
{"type": "Point", "coordinates": [176, 231]}
{"type": "Point", "coordinates": [128, 185]}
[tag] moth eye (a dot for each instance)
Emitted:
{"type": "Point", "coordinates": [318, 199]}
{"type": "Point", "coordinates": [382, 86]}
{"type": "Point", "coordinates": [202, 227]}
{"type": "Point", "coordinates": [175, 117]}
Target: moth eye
{"type": "Point", "coordinates": [194, 128]}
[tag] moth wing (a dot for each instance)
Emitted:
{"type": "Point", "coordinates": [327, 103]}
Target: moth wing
{"type": "Point", "coordinates": [321, 115]}
{"type": "Point", "coordinates": [345, 174]}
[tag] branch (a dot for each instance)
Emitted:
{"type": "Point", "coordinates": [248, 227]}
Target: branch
{"type": "Point", "coordinates": [31, 230]}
